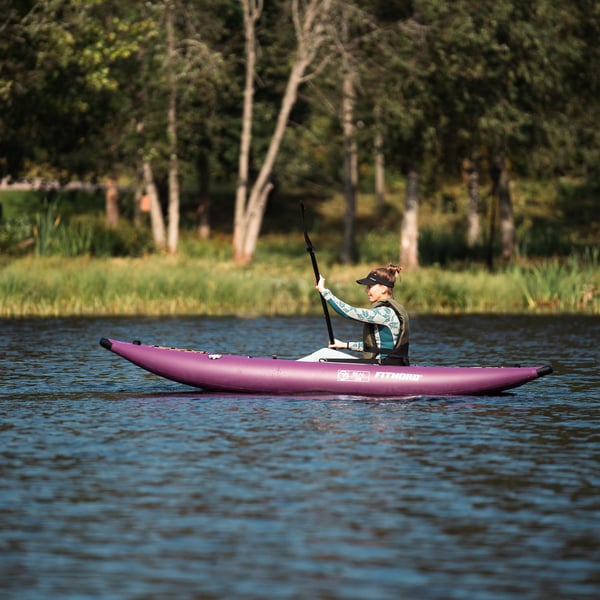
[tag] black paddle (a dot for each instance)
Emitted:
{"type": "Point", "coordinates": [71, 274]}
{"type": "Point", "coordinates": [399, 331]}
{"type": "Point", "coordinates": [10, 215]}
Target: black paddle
{"type": "Point", "coordinates": [311, 250]}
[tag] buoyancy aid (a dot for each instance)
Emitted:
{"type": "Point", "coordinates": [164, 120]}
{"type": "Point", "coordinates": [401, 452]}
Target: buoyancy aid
{"type": "Point", "coordinates": [398, 355]}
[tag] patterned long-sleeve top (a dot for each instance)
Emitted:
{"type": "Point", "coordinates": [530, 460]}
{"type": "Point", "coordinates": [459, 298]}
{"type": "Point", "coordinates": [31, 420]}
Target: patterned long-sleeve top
{"type": "Point", "coordinates": [384, 318]}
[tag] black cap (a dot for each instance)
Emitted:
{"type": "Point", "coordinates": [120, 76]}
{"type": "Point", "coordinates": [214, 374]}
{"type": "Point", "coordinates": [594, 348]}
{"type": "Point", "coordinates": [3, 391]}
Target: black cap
{"type": "Point", "coordinates": [372, 278]}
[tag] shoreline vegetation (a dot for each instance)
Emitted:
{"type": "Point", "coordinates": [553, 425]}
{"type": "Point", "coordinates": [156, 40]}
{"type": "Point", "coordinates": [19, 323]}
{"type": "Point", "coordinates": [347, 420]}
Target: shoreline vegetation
{"type": "Point", "coordinates": [185, 286]}
{"type": "Point", "coordinates": [74, 266]}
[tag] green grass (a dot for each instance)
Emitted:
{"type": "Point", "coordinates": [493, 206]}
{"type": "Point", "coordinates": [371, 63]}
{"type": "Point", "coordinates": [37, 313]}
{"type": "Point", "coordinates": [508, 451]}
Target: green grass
{"type": "Point", "coordinates": [59, 259]}
{"type": "Point", "coordinates": [166, 285]}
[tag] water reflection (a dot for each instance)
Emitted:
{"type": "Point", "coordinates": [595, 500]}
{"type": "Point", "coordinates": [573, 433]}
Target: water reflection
{"type": "Point", "coordinates": [116, 483]}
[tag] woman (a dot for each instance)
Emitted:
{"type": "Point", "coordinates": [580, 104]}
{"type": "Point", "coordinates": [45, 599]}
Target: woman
{"type": "Point", "coordinates": [386, 324]}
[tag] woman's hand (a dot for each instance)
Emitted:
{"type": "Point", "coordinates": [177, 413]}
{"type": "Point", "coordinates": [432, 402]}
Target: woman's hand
{"type": "Point", "coordinates": [320, 285]}
{"type": "Point", "coordinates": [339, 344]}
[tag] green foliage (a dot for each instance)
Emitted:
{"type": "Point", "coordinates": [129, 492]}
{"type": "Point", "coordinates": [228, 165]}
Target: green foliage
{"type": "Point", "coordinates": [45, 228]}
{"type": "Point", "coordinates": [124, 240]}
{"type": "Point", "coordinates": [219, 248]}
{"type": "Point", "coordinates": [84, 235]}
{"type": "Point", "coordinates": [543, 240]}
{"type": "Point", "coordinates": [441, 243]}
{"type": "Point", "coordinates": [20, 205]}
{"type": "Point", "coordinates": [578, 202]}
{"type": "Point", "coordinates": [77, 238]}
{"type": "Point", "coordinates": [165, 285]}
{"type": "Point", "coordinates": [15, 235]}
{"type": "Point", "coordinates": [570, 284]}
{"type": "Point", "coordinates": [83, 86]}
{"type": "Point", "coordinates": [443, 247]}
{"type": "Point", "coordinates": [377, 245]}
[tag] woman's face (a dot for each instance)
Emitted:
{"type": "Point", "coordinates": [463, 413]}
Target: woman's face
{"type": "Point", "coordinates": [377, 292]}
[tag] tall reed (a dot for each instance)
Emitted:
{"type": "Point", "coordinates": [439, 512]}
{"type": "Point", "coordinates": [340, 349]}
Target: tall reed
{"type": "Point", "coordinates": [167, 285]}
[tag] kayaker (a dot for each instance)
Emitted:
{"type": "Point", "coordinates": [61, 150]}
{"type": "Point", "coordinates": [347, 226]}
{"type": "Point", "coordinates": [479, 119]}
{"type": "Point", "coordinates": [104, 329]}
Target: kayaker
{"type": "Point", "coordinates": [386, 324]}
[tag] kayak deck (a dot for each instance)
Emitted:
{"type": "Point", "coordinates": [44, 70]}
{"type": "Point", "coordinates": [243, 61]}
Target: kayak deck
{"type": "Point", "coordinates": [246, 374]}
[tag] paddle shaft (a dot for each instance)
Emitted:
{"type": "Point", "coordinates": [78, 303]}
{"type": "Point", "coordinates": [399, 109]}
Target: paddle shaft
{"type": "Point", "coordinates": [311, 250]}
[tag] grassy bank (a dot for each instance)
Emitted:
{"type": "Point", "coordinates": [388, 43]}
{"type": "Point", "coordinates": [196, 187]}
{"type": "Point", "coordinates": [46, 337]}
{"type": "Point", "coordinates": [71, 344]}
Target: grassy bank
{"type": "Point", "coordinates": [184, 285]}
{"type": "Point", "coordinates": [59, 259]}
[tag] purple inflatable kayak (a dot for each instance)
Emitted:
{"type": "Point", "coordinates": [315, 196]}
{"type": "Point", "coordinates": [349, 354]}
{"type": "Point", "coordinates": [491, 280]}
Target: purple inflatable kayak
{"type": "Point", "coordinates": [244, 374]}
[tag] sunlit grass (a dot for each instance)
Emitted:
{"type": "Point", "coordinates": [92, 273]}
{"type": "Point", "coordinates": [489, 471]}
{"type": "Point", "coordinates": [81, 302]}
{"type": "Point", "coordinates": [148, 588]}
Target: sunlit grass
{"type": "Point", "coordinates": [57, 267]}
{"type": "Point", "coordinates": [571, 284]}
{"type": "Point", "coordinates": [280, 285]}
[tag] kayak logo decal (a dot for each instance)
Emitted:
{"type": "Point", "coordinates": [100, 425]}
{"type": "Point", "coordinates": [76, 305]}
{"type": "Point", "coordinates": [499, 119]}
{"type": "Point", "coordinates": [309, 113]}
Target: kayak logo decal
{"type": "Point", "coordinates": [399, 376]}
{"type": "Point", "coordinates": [353, 376]}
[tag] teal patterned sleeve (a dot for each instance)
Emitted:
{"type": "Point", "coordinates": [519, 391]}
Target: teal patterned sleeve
{"type": "Point", "coordinates": [382, 315]}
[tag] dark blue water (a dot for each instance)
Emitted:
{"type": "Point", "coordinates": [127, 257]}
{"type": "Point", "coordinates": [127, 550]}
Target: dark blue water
{"type": "Point", "coordinates": [117, 484]}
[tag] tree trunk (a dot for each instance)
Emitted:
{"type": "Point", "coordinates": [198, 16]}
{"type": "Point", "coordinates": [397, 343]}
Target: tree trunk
{"type": "Point", "coordinates": [259, 193]}
{"type": "Point", "coordinates": [409, 247]}
{"type": "Point", "coordinates": [471, 177]}
{"type": "Point", "coordinates": [253, 221]}
{"type": "Point", "coordinates": [501, 193]}
{"type": "Point", "coordinates": [507, 220]}
{"type": "Point", "coordinates": [350, 167]}
{"type": "Point", "coordinates": [379, 163]}
{"type": "Point", "coordinates": [249, 210]}
{"type": "Point", "coordinates": [492, 229]}
{"type": "Point", "coordinates": [173, 235]}
{"type": "Point", "coordinates": [203, 208]}
{"type": "Point", "coordinates": [156, 217]}
{"type": "Point", "coordinates": [137, 199]}
{"type": "Point", "coordinates": [252, 11]}
{"type": "Point", "coordinates": [112, 202]}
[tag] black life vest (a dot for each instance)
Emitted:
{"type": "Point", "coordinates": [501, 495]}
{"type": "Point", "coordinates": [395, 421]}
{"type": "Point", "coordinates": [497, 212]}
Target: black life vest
{"type": "Point", "coordinates": [398, 355]}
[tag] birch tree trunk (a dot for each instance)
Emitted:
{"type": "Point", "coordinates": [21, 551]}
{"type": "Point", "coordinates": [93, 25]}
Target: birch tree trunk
{"type": "Point", "coordinates": [471, 177]}
{"type": "Point", "coordinates": [203, 208]}
{"type": "Point", "coordinates": [493, 209]}
{"type": "Point", "coordinates": [252, 11]}
{"type": "Point", "coordinates": [507, 220]}
{"type": "Point", "coordinates": [112, 202]}
{"type": "Point", "coordinates": [379, 160]}
{"type": "Point", "coordinates": [350, 166]}
{"type": "Point", "coordinates": [250, 207]}
{"type": "Point", "coordinates": [409, 246]}
{"type": "Point", "coordinates": [173, 232]}
{"type": "Point", "coordinates": [501, 193]}
{"type": "Point", "coordinates": [156, 217]}
{"type": "Point", "coordinates": [137, 199]}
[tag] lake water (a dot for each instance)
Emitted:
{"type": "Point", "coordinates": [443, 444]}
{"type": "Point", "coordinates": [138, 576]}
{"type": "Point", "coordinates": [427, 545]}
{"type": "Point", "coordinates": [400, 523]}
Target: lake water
{"type": "Point", "coordinates": [117, 484]}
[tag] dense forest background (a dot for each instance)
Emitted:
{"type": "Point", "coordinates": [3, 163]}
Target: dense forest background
{"type": "Point", "coordinates": [176, 101]}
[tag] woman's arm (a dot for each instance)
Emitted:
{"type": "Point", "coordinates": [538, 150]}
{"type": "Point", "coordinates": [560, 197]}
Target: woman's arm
{"type": "Point", "coordinates": [382, 315]}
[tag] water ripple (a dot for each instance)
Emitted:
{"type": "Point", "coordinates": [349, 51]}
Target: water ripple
{"type": "Point", "coordinates": [114, 483]}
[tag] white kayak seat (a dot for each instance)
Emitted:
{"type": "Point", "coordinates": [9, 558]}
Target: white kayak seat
{"type": "Point", "coordinates": [326, 353]}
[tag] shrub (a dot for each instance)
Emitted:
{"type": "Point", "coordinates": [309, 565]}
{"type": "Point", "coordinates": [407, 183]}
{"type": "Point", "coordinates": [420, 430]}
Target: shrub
{"type": "Point", "coordinates": [87, 235]}
{"type": "Point", "coordinates": [15, 236]}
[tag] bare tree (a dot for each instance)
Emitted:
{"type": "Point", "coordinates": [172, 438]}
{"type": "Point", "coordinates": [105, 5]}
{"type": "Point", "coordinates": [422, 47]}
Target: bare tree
{"type": "Point", "coordinates": [379, 160]}
{"type": "Point", "coordinates": [204, 201]}
{"type": "Point", "coordinates": [156, 217]}
{"type": "Point", "coordinates": [138, 193]}
{"type": "Point", "coordinates": [470, 171]}
{"type": "Point", "coordinates": [173, 233]}
{"type": "Point", "coordinates": [501, 190]}
{"type": "Point", "coordinates": [310, 19]}
{"type": "Point", "coordinates": [409, 237]}
{"type": "Point", "coordinates": [112, 202]}
{"type": "Point", "coordinates": [507, 219]}
{"type": "Point", "coordinates": [350, 165]}
{"type": "Point", "coordinates": [356, 38]}
{"type": "Point", "coordinates": [252, 12]}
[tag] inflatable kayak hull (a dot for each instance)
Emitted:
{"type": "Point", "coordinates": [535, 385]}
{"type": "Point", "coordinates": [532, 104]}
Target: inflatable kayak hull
{"type": "Point", "coordinates": [245, 374]}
